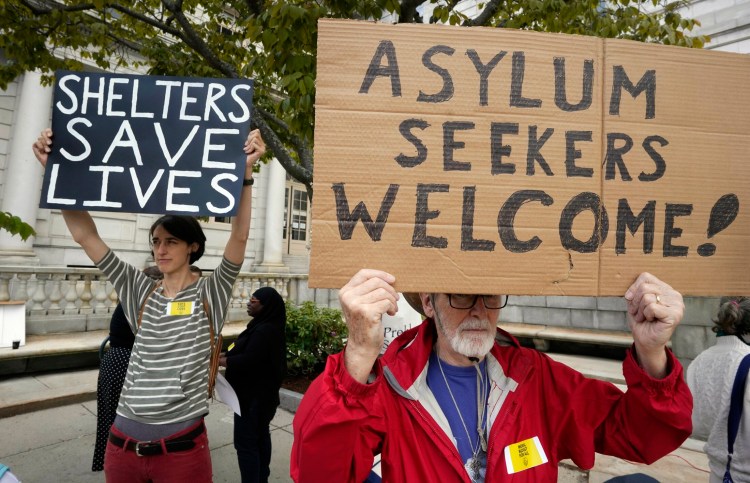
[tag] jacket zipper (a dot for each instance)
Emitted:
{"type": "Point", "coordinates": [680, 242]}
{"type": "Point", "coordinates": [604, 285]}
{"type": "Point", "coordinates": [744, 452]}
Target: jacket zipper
{"type": "Point", "coordinates": [441, 435]}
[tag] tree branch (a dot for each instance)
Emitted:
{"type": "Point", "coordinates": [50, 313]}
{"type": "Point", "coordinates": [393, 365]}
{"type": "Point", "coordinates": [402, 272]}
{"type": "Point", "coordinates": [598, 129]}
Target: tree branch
{"type": "Point", "coordinates": [490, 9]}
{"type": "Point", "coordinates": [278, 149]}
{"type": "Point", "coordinates": [300, 145]}
{"type": "Point", "coordinates": [408, 12]}
{"type": "Point", "coordinates": [302, 168]}
{"type": "Point", "coordinates": [128, 44]}
{"type": "Point", "coordinates": [451, 4]}
{"type": "Point", "coordinates": [192, 39]}
{"type": "Point", "coordinates": [146, 19]}
{"type": "Point", "coordinates": [255, 6]}
{"type": "Point", "coordinates": [42, 7]}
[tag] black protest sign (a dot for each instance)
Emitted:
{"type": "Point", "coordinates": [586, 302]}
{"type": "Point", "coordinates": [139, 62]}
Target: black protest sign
{"type": "Point", "coordinates": [147, 144]}
{"type": "Point", "coordinates": [502, 161]}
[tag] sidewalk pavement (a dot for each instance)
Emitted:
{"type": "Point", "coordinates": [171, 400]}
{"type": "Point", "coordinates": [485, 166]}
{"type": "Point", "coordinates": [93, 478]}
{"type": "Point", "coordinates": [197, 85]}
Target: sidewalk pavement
{"type": "Point", "coordinates": [56, 445]}
{"type": "Point", "coordinates": [48, 428]}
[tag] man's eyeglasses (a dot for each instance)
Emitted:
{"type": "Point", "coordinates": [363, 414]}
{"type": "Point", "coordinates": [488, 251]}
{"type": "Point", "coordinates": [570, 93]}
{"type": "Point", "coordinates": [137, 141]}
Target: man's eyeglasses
{"type": "Point", "coordinates": [467, 301]}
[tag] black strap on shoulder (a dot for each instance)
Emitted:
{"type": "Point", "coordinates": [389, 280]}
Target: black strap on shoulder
{"type": "Point", "coordinates": [735, 409]}
{"type": "Point", "coordinates": [143, 305]}
{"type": "Point", "coordinates": [216, 346]}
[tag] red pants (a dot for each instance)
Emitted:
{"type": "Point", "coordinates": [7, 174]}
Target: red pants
{"type": "Point", "coordinates": [193, 465]}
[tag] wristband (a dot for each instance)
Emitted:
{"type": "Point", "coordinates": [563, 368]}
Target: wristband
{"type": "Point", "coordinates": [248, 182]}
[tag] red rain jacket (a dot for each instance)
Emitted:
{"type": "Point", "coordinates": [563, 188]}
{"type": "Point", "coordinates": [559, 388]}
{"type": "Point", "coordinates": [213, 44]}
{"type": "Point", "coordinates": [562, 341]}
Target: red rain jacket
{"type": "Point", "coordinates": [341, 424]}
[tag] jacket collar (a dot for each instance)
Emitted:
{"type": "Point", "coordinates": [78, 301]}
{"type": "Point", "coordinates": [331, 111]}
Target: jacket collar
{"type": "Point", "coordinates": [406, 358]}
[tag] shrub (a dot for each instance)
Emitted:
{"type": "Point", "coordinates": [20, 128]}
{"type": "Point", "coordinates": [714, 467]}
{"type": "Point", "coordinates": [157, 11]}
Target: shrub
{"type": "Point", "coordinates": [312, 334]}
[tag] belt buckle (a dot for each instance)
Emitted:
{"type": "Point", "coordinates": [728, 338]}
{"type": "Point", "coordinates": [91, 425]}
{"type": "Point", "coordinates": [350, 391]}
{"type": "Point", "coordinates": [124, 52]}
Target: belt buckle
{"type": "Point", "coordinates": [138, 447]}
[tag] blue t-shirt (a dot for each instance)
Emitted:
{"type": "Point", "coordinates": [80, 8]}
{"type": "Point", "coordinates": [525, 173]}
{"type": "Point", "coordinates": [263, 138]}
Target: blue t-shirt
{"type": "Point", "coordinates": [463, 386]}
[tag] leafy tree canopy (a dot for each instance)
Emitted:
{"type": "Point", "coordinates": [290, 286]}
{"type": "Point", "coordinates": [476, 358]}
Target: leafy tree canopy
{"type": "Point", "coordinates": [275, 42]}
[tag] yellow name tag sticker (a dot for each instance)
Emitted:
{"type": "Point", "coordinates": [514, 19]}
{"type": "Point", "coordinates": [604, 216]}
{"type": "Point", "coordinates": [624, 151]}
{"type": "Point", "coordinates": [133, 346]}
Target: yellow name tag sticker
{"type": "Point", "coordinates": [524, 455]}
{"type": "Point", "coordinates": [231, 346]}
{"type": "Point", "coordinates": [180, 308]}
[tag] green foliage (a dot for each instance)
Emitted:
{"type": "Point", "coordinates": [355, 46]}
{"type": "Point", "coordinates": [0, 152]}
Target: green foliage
{"type": "Point", "coordinates": [275, 42]}
{"type": "Point", "coordinates": [15, 225]}
{"type": "Point", "coordinates": [312, 334]}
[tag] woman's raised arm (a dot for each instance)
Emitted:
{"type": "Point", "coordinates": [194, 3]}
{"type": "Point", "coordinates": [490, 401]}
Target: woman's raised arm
{"type": "Point", "coordinates": [235, 249]}
{"type": "Point", "coordinates": [80, 224]}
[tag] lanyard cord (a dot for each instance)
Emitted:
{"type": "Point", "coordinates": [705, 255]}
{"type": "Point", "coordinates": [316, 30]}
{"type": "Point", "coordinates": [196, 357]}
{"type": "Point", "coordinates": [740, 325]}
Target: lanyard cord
{"type": "Point", "coordinates": [481, 407]}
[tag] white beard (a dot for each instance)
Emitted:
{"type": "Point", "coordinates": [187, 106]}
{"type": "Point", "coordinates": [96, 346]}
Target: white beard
{"type": "Point", "coordinates": [473, 345]}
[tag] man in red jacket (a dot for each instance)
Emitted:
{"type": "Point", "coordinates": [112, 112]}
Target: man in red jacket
{"type": "Point", "coordinates": [456, 399]}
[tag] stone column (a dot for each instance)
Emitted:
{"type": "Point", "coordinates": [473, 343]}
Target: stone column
{"type": "Point", "coordinates": [23, 175]}
{"type": "Point", "coordinates": [273, 242]}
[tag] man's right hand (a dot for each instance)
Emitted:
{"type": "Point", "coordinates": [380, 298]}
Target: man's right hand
{"type": "Point", "coordinates": [41, 146]}
{"type": "Point", "coordinates": [364, 300]}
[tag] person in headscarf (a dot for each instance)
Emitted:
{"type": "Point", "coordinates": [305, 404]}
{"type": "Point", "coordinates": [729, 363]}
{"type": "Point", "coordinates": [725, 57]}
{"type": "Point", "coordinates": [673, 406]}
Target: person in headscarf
{"type": "Point", "coordinates": [256, 365]}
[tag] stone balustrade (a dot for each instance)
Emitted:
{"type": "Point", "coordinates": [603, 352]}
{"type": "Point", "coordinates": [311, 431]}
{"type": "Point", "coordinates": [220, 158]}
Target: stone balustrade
{"type": "Point", "coordinates": [81, 299]}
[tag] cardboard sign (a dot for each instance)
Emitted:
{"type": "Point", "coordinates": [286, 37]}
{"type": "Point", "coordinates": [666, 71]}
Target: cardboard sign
{"type": "Point", "coordinates": [483, 160]}
{"type": "Point", "coordinates": [147, 144]}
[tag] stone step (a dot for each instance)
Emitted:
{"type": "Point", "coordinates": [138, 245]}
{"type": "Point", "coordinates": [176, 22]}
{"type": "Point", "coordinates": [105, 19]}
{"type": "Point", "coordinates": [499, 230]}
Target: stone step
{"type": "Point", "coordinates": [29, 393]}
{"type": "Point", "coordinates": [595, 367]}
{"type": "Point", "coordinates": [55, 352]}
{"type": "Point", "coordinates": [568, 334]}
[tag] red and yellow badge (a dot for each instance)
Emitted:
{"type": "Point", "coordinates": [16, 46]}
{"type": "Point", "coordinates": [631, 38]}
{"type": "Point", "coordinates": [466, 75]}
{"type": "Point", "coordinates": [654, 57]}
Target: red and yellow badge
{"type": "Point", "coordinates": [524, 455]}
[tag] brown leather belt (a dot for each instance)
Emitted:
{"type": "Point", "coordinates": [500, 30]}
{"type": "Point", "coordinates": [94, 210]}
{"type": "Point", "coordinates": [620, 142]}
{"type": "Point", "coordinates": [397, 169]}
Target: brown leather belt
{"type": "Point", "coordinates": [154, 448]}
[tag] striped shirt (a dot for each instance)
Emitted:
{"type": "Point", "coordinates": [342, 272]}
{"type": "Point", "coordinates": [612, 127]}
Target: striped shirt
{"type": "Point", "coordinates": [167, 379]}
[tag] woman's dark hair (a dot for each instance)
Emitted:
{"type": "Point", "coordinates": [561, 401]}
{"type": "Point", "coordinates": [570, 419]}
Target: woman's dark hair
{"type": "Point", "coordinates": [185, 228]}
{"type": "Point", "coordinates": [734, 316]}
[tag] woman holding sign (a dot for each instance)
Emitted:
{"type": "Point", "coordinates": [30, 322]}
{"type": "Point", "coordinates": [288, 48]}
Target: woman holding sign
{"type": "Point", "coordinates": [158, 434]}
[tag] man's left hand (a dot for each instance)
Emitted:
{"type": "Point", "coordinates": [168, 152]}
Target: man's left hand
{"type": "Point", "coordinates": [655, 310]}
